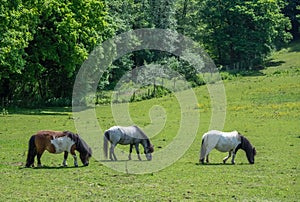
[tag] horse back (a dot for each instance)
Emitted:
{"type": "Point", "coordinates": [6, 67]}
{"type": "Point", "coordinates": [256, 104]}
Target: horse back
{"type": "Point", "coordinates": [133, 134]}
{"type": "Point", "coordinates": [43, 140]}
{"type": "Point", "coordinates": [125, 135]}
{"type": "Point", "coordinates": [228, 141]}
{"type": "Point", "coordinates": [51, 133]}
{"type": "Point", "coordinates": [222, 141]}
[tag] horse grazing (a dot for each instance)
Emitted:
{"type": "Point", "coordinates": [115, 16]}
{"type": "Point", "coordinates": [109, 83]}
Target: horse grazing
{"type": "Point", "coordinates": [131, 135]}
{"type": "Point", "coordinates": [226, 142]}
{"type": "Point", "coordinates": [57, 142]}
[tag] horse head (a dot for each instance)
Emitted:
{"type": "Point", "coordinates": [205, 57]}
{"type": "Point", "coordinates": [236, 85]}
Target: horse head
{"type": "Point", "coordinates": [148, 150]}
{"type": "Point", "coordinates": [84, 150]}
{"type": "Point", "coordinates": [250, 155]}
{"type": "Point", "coordinates": [250, 151]}
{"type": "Point", "coordinates": [85, 156]}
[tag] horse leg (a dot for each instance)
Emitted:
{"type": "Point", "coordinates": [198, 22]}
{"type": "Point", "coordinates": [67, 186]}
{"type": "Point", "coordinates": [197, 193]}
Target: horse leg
{"type": "Point", "coordinates": [227, 157]}
{"type": "Point", "coordinates": [65, 159]}
{"type": "Point", "coordinates": [75, 160]}
{"type": "Point", "coordinates": [204, 158]}
{"type": "Point", "coordinates": [74, 155]}
{"type": "Point", "coordinates": [207, 160]}
{"type": "Point", "coordinates": [112, 155]}
{"type": "Point", "coordinates": [138, 151]}
{"type": "Point", "coordinates": [130, 151]}
{"type": "Point", "coordinates": [234, 153]}
{"type": "Point", "coordinates": [38, 156]}
{"type": "Point", "coordinates": [233, 156]}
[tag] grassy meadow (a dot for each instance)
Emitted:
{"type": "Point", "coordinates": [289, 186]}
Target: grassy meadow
{"type": "Point", "coordinates": [265, 107]}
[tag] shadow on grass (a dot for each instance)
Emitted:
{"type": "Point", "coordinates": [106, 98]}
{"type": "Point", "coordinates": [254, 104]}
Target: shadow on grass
{"type": "Point", "coordinates": [60, 111]}
{"type": "Point", "coordinates": [254, 72]}
{"type": "Point", "coordinates": [52, 167]}
{"type": "Point", "coordinates": [55, 111]}
{"type": "Point", "coordinates": [119, 161]}
{"type": "Point", "coordinates": [222, 164]}
{"type": "Point", "coordinates": [274, 63]}
{"type": "Point", "coordinates": [295, 46]}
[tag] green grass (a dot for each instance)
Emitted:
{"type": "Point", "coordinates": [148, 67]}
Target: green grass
{"type": "Point", "coordinates": [285, 61]}
{"type": "Point", "coordinates": [264, 108]}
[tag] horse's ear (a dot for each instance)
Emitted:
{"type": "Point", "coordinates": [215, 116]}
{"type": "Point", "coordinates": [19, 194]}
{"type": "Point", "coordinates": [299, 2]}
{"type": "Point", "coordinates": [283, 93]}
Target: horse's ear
{"type": "Point", "coordinates": [254, 151]}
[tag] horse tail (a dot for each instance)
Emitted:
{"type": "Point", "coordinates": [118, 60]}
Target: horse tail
{"type": "Point", "coordinates": [203, 147]}
{"type": "Point", "coordinates": [31, 151]}
{"type": "Point", "coordinates": [105, 144]}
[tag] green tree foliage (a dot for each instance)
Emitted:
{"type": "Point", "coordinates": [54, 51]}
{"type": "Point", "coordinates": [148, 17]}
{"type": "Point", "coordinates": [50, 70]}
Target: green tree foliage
{"type": "Point", "coordinates": [131, 15]}
{"type": "Point", "coordinates": [240, 34]}
{"type": "Point", "coordinates": [44, 43]}
{"type": "Point", "coordinates": [188, 19]}
{"type": "Point", "coordinates": [17, 29]}
{"type": "Point", "coordinates": [292, 10]}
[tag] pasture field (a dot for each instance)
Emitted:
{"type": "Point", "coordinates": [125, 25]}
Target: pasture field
{"type": "Point", "coordinates": [264, 107]}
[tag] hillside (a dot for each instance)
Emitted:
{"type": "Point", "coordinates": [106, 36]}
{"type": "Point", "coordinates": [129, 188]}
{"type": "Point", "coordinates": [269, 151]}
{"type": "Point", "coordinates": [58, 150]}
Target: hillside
{"type": "Point", "coordinates": [265, 108]}
{"type": "Point", "coordinates": [285, 60]}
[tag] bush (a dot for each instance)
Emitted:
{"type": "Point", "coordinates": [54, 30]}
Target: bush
{"type": "Point", "coordinates": [58, 102]}
{"type": "Point", "coordinates": [227, 76]}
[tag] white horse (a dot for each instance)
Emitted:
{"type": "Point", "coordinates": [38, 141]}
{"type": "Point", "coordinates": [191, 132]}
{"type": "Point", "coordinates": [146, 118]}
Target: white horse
{"type": "Point", "coordinates": [131, 135]}
{"type": "Point", "coordinates": [226, 142]}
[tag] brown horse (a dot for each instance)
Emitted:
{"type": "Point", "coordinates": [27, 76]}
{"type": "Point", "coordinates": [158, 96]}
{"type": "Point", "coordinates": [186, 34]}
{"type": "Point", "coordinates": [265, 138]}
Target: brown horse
{"type": "Point", "coordinates": [57, 142]}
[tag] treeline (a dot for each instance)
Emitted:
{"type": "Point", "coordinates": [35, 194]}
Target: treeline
{"type": "Point", "coordinates": [44, 42]}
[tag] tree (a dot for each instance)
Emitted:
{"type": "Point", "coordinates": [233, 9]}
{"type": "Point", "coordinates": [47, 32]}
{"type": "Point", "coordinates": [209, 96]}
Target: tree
{"type": "Point", "coordinates": [53, 38]}
{"type": "Point", "coordinates": [188, 19]}
{"type": "Point", "coordinates": [17, 24]}
{"type": "Point", "coordinates": [240, 34]}
{"type": "Point", "coordinates": [292, 10]}
{"type": "Point", "coordinates": [131, 15]}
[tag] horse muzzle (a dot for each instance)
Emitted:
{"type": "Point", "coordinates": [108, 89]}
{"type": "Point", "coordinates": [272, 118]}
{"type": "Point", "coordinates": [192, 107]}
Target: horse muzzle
{"type": "Point", "coordinates": [86, 164]}
{"type": "Point", "coordinates": [149, 157]}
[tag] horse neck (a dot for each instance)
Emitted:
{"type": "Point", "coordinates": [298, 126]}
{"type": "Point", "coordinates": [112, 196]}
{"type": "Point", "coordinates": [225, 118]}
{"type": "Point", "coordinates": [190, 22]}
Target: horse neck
{"type": "Point", "coordinates": [78, 142]}
{"type": "Point", "coordinates": [83, 147]}
{"type": "Point", "coordinates": [145, 143]}
{"type": "Point", "coordinates": [246, 145]}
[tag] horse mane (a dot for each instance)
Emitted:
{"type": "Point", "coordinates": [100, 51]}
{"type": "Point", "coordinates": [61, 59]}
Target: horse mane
{"type": "Point", "coordinates": [245, 143]}
{"type": "Point", "coordinates": [143, 135]}
{"type": "Point", "coordinates": [81, 145]}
